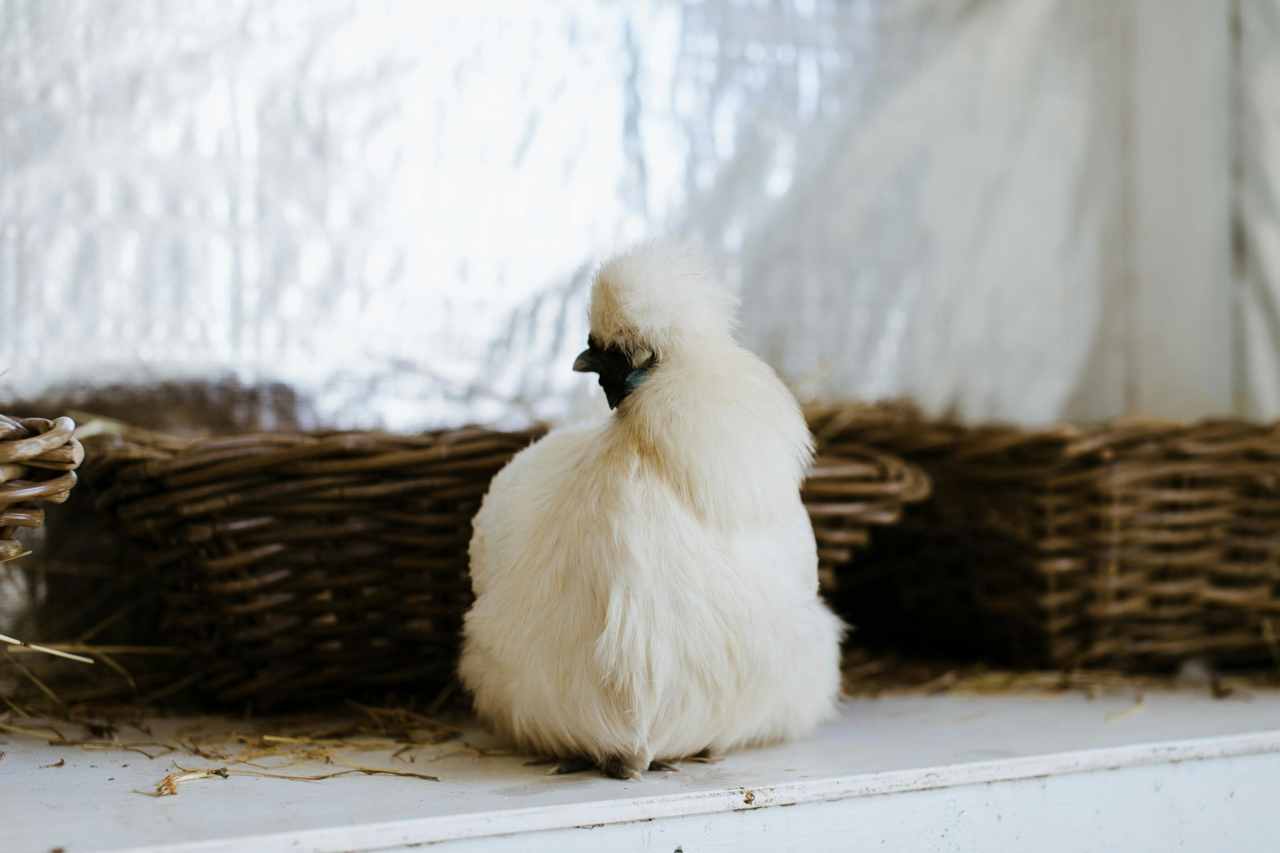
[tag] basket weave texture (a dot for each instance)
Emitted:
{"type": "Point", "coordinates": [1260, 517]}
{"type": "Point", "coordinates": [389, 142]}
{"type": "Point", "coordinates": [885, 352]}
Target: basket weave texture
{"type": "Point", "coordinates": [1138, 544]}
{"type": "Point", "coordinates": [38, 461]}
{"type": "Point", "coordinates": [298, 565]}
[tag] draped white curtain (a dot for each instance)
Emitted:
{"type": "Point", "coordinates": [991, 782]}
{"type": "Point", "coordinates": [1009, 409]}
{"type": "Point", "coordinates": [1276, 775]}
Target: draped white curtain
{"type": "Point", "coordinates": [1257, 207]}
{"type": "Point", "coordinates": [395, 206]}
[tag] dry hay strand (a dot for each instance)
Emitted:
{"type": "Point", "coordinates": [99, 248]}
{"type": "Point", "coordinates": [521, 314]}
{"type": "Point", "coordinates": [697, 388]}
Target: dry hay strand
{"type": "Point", "coordinates": [56, 651]}
{"type": "Point", "coordinates": [57, 672]}
{"type": "Point", "coordinates": [286, 748]}
{"type": "Point", "coordinates": [168, 786]}
{"type": "Point", "coordinates": [259, 752]}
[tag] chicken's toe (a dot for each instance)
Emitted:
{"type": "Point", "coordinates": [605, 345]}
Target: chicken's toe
{"type": "Point", "coordinates": [615, 767]}
{"type": "Point", "coordinates": [570, 765]}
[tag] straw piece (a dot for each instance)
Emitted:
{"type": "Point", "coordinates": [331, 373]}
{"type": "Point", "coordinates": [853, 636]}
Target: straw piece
{"type": "Point", "coordinates": [168, 786]}
{"type": "Point", "coordinates": [35, 679]}
{"type": "Point", "coordinates": [44, 649]}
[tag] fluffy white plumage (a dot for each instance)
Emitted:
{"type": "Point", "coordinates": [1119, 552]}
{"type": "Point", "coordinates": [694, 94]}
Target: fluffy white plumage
{"type": "Point", "coordinates": [646, 585]}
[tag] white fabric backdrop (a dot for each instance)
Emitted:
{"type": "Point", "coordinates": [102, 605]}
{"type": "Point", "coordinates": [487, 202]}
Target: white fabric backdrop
{"type": "Point", "coordinates": [1258, 205]}
{"type": "Point", "coordinates": [395, 206]}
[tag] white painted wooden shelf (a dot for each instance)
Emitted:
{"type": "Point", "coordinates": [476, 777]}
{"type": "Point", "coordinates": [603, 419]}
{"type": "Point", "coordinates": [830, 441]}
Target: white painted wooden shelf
{"type": "Point", "coordinates": [1177, 771]}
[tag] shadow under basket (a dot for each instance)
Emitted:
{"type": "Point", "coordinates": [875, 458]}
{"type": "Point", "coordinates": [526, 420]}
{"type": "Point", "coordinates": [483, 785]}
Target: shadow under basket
{"type": "Point", "coordinates": [297, 566]}
{"type": "Point", "coordinates": [1136, 544]}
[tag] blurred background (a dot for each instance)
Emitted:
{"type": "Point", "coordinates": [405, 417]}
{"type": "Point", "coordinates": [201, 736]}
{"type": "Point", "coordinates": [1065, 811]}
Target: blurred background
{"type": "Point", "coordinates": [1012, 209]}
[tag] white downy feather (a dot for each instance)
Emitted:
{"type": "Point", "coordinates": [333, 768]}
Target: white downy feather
{"type": "Point", "coordinates": [646, 585]}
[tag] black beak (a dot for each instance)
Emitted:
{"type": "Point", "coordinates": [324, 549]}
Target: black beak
{"type": "Point", "coordinates": [617, 377]}
{"type": "Point", "coordinates": [588, 361]}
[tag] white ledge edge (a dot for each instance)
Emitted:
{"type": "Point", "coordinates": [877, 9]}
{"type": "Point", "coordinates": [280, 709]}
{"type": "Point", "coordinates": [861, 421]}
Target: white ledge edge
{"type": "Point", "coordinates": [628, 807]}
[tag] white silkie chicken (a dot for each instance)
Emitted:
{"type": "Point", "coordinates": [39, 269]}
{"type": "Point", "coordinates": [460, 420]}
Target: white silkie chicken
{"type": "Point", "coordinates": [646, 585]}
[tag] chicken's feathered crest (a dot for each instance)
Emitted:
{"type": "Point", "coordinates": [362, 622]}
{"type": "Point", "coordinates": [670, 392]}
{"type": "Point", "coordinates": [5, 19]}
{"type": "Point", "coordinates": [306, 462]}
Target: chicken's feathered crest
{"type": "Point", "coordinates": [703, 405]}
{"type": "Point", "coordinates": [658, 296]}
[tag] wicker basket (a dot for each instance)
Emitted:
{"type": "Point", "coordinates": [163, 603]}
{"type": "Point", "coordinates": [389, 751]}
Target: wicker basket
{"type": "Point", "coordinates": [38, 459]}
{"type": "Point", "coordinates": [298, 565]}
{"type": "Point", "coordinates": [1137, 544]}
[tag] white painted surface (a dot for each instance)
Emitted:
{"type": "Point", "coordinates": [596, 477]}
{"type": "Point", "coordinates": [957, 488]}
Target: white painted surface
{"type": "Point", "coordinates": [1019, 767]}
{"type": "Point", "coordinates": [1199, 806]}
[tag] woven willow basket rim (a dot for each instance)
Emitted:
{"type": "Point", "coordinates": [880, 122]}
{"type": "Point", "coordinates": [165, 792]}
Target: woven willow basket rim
{"type": "Point", "coordinates": [905, 426]}
{"type": "Point", "coordinates": [38, 462]}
